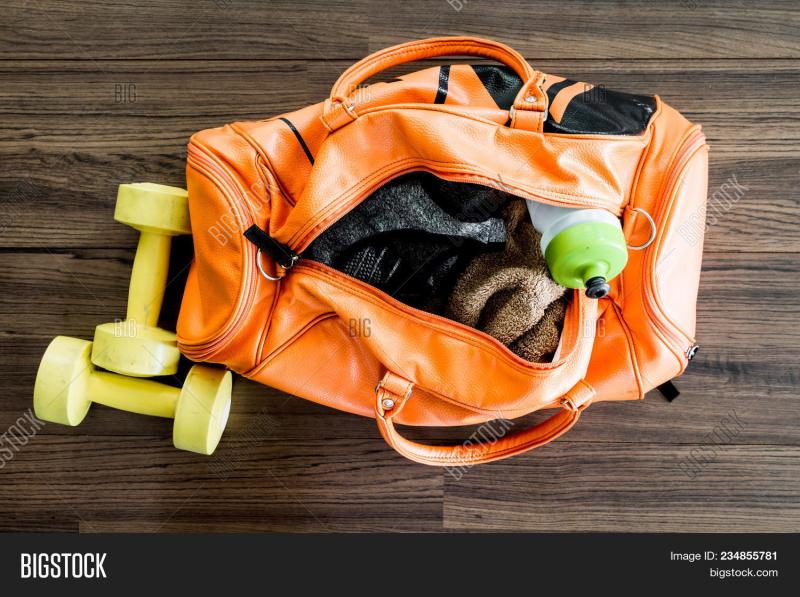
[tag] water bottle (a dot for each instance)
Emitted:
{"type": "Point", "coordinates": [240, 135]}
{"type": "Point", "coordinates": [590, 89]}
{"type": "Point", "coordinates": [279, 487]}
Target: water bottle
{"type": "Point", "coordinates": [584, 248]}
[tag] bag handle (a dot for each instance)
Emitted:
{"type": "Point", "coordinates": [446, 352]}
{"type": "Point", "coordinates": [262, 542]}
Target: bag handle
{"type": "Point", "coordinates": [393, 392]}
{"type": "Point", "coordinates": [340, 108]}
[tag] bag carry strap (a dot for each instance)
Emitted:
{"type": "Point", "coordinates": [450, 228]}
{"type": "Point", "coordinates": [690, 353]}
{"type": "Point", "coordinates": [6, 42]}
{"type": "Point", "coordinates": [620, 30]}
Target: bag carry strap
{"type": "Point", "coordinates": [529, 106]}
{"type": "Point", "coordinates": [393, 391]}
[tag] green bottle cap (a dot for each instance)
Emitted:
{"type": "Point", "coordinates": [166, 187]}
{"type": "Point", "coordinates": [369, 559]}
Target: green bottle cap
{"type": "Point", "coordinates": [585, 251]}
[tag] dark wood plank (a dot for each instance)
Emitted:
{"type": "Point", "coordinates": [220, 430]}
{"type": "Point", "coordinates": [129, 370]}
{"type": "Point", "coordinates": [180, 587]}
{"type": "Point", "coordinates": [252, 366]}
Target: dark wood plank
{"type": "Point", "coordinates": [329, 485]}
{"type": "Point", "coordinates": [635, 487]}
{"type": "Point", "coordinates": [67, 145]}
{"type": "Point", "coordinates": [314, 31]}
{"type": "Point", "coordinates": [186, 30]}
{"type": "Point", "coordinates": [607, 29]}
{"type": "Point", "coordinates": [44, 522]}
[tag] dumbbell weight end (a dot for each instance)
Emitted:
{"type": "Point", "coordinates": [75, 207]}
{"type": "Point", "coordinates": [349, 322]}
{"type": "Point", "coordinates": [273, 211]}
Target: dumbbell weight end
{"type": "Point", "coordinates": [67, 384]}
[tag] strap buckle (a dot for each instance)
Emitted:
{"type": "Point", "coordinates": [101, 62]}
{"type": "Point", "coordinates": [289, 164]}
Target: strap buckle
{"type": "Point", "coordinates": [568, 404]}
{"type": "Point", "coordinates": [283, 255]}
{"type": "Point", "coordinates": [389, 402]}
{"type": "Point", "coordinates": [407, 395]}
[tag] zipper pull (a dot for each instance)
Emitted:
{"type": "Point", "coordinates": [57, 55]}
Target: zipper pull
{"type": "Point", "coordinates": [282, 254]}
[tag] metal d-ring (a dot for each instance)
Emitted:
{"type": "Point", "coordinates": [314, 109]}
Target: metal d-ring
{"type": "Point", "coordinates": [349, 106]}
{"type": "Point", "coordinates": [653, 231]}
{"type": "Point", "coordinates": [261, 268]}
{"type": "Point", "coordinates": [568, 404]}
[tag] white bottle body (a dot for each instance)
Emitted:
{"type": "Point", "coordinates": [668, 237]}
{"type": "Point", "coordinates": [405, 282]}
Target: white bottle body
{"type": "Point", "coordinates": [551, 220]}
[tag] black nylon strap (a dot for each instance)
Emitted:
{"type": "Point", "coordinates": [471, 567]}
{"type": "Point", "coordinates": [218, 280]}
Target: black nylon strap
{"type": "Point", "coordinates": [282, 254]}
{"type": "Point", "coordinates": [669, 390]}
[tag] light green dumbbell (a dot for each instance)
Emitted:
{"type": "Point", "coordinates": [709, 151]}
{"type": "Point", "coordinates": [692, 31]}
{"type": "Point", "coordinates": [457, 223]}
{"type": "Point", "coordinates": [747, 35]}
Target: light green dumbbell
{"type": "Point", "coordinates": [136, 346]}
{"type": "Point", "coordinates": [67, 384]}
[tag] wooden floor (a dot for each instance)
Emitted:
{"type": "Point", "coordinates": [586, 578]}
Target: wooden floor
{"type": "Point", "coordinates": [98, 93]}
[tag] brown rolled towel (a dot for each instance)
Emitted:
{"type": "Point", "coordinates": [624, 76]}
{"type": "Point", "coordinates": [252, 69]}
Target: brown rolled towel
{"type": "Point", "coordinates": [510, 295]}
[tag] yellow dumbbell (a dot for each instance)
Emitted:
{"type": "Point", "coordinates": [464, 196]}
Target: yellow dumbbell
{"type": "Point", "coordinates": [136, 346]}
{"type": "Point", "coordinates": [67, 384]}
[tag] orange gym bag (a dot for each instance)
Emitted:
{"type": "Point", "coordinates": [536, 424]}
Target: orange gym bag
{"type": "Point", "coordinates": [261, 192]}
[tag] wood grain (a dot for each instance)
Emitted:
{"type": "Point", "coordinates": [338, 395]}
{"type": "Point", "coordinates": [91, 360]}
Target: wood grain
{"type": "Point", "coordinates": [588, 29]}
{"type": "Point", "coordinates": [283, 485]}
{"type": "Point", "coordinates": [639, 488]}
{"type": "Point", "coordinates": [69, 136]}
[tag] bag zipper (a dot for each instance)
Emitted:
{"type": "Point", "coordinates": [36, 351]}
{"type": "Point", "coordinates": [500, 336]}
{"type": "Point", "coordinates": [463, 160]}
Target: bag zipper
{"type": "Point", "coordinates": [674, 337]}
{"type": "Point", "coordinates": [333, 215]}
{"type": "Point", "coordinates": [439, 322]}
{"type": "Point", "coordinates": [209, 166]}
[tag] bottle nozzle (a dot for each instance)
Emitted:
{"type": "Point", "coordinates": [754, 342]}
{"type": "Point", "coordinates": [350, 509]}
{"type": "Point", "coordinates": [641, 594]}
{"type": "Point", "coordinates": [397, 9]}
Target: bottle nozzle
{"type": "Point", "coordinates": [597, 287]}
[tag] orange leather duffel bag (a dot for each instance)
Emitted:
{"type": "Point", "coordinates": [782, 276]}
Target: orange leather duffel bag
{"type": "Point", "coordinates": [258, 305]}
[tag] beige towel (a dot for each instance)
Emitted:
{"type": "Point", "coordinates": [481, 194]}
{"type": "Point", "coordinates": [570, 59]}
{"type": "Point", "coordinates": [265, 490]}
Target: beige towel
{"type": "Point", "coordinates": [510, 295]}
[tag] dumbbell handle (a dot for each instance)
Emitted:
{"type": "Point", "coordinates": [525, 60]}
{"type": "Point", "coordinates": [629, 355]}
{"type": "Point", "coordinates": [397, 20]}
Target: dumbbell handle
{"type": "Point", "coordinates": [148, 278]}
{"type": "Point", "coordinates": [140, 396]}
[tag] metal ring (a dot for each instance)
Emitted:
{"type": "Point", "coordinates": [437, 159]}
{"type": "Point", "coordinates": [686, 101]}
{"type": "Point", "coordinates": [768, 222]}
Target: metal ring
{"type": "Point", "coordinates": [568, 404]}
{"type": "Point", "coordinates": [653, 231]}
{"type": "Point", "coordinates": [349, 107]}
{"type": "Point", "coordinates": [261, 268]}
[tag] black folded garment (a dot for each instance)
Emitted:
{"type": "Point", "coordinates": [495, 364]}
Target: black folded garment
{"type": "Point", "coordinates": [412, 237]}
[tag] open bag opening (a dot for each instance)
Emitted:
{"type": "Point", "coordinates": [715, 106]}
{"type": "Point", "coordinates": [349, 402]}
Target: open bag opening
{"type": "Point", "coordinates": [463, 251]}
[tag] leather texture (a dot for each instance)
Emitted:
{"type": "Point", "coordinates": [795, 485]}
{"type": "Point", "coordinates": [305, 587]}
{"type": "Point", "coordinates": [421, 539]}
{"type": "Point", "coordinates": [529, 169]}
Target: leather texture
{"type": "Point", "coordinates": [321, 335]}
